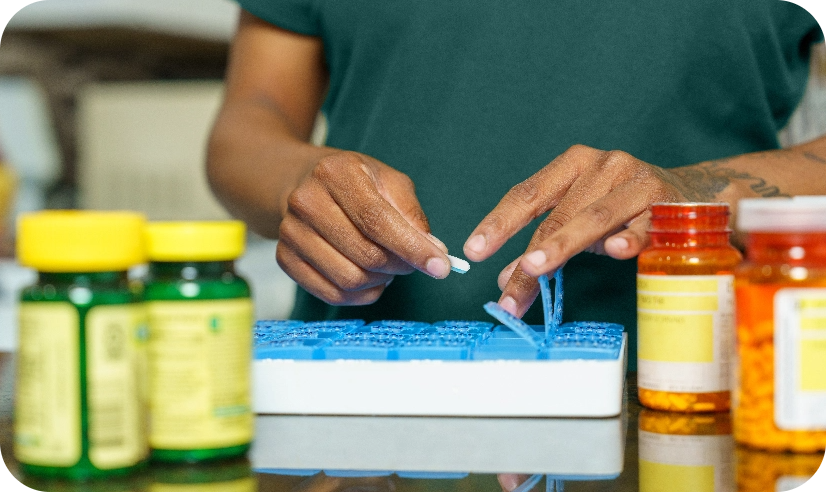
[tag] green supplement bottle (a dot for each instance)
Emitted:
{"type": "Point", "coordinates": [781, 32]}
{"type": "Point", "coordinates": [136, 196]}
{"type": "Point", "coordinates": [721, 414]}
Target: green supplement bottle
{"type": "Point", "coordinates": [200, 342]}
{"type": "Point", "coordinates": [80, 408]}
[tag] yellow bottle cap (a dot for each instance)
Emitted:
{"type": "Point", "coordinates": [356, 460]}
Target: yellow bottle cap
{"type": "Point", "coordinates": [80, 241]}
{"type": "Point", "coordinates": [195, 241]}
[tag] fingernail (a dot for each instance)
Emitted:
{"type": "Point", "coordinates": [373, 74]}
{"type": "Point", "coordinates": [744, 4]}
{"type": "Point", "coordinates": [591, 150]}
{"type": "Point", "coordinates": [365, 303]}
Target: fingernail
{"type": "Point", "coordinates": [620, 243]}
{"type": "Point", "coordinates": [509, 305]}
{"type": "Point", "coordinates": [477, 244]}
{"type": "Point", "coordinates": [437, 268]}
{"type": "Point", "coordinates": [537, 258]}
{"type": "Point", "coordinates": [439, 244]}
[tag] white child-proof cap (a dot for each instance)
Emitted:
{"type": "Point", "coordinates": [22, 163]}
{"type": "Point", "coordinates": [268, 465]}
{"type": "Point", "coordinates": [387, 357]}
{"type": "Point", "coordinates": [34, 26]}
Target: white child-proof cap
{"type": "Point", "coordinates": [796, 214]}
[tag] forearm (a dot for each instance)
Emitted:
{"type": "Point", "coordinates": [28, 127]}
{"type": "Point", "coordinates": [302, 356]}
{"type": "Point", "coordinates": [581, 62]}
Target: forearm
{"type": "Point", "coordinates": [798, 170]}
{"type": "Point", "coordinates": [254, 161]}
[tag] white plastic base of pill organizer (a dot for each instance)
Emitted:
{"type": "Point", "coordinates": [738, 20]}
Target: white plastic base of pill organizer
{"type": "Point", "coordinates": [489, 388]}
{"type": "Point", "coordinates": [570, 448]}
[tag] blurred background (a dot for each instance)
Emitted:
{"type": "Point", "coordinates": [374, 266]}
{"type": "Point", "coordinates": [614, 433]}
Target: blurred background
{"type": "Point", "coordinates": [106, 104]}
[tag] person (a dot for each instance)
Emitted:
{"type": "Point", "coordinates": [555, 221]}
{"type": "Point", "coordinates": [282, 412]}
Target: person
{"type": "Point", "coordinates": [463, 124]}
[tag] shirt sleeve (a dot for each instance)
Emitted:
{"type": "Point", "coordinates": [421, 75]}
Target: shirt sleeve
{"type": "Point", "coordinates": [299, 16]}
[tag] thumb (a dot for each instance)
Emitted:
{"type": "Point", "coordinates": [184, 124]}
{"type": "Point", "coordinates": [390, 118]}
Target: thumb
{"type": "Point", "coordinates": [631, 241]}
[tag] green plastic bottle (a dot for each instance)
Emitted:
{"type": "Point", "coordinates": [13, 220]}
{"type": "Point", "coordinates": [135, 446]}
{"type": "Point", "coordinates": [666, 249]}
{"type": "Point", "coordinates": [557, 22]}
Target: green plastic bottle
{"type": "Point", "coordinates": [200, 343]}
{"type": "Point", "coordinates": [80, 408]}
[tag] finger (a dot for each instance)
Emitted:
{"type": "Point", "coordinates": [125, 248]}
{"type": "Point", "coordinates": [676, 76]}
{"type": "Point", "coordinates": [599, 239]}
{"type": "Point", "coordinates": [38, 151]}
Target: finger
{"type": "Point", "coordinates": [438, 242]}
{"type": "Point", "coordinates": [510, 481]}
{"type": "Point", "coordinates": [313, 205]}
{"type": "Point", "coordinates": [400, 192]}
{"type": "Point", "coordinates": [527, 201]}
{"type": "Point", "coordinates": [505, 274]}
{"type": "Point", "coordinates": [376, 218]}
{"type": "Point", "coordinates": [631, 241]}
{"type": "Point", "coordinates": [325, 259]}
{"type": "Point", "coordinates": [519, 293]}
{"type": "Point", "coordinates": [586, 227]}
{"type": "Point", "coordinates": [316, 284]}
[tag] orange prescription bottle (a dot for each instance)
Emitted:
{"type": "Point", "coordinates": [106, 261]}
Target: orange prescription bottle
{"type": "Point", "coordinates": [780, 389]}
{"type": "Point", "coordinates": [685, 307]}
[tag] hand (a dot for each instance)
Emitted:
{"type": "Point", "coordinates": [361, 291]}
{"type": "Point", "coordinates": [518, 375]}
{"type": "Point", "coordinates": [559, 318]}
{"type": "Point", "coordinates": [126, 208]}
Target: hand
{"type": "Point", "coordinates": [350, 226]}
{"type": "Point", "coordinates": [599, 202]}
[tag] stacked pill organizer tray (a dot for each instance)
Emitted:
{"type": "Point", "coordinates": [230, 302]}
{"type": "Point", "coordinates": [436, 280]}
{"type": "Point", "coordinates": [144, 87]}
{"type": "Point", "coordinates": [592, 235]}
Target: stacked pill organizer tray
{"type": "Point", "coordinates": [448, 368]}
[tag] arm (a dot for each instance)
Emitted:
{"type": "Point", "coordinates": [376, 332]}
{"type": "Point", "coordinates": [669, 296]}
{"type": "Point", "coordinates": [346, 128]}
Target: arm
{"type": "Point", "coordinates": [599, 202]}
{"type": "Point", "coordinates": [346, 223]}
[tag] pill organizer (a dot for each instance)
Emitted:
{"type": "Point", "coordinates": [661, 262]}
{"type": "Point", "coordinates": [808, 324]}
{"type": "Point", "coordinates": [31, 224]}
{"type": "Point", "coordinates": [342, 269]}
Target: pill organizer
{"type": "Point", "coordinates": [439, 447]}
{"type": "Point", "coordinates": [448, 368]}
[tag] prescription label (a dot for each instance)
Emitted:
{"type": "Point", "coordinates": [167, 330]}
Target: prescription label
{"type": "Point", "coordinates": [115, 339]}
{"type": "Point", "coordinates": [200, 354]}
{"type": "Point", "coordinates": [47, 402]}
{"type": "Point", "coordinates": [247, 484]}
{"type": "Point", "coordinates": [800, 359]}
{"type": "Point", "coordinates": [685, 332]}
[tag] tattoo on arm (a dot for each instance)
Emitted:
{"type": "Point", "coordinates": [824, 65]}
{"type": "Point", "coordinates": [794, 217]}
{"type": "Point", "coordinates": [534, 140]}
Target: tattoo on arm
{"type": "Point", "coordinates": [705, 181]}
{"type": "Point", "coordinates": [814, 157]}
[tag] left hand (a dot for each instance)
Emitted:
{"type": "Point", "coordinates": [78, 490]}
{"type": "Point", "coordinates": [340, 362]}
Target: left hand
{"type": "Point", "coordinates": [599, 202]}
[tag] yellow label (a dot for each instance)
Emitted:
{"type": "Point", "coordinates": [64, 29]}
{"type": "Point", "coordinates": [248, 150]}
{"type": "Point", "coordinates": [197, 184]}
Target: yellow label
{"type": "Point", "coordinates": [661, 477]}
{"type": "Point", "coordinates": [47, 402]}
{"type": "Point", "coordinates": [807, 323]}
{"type": "Point", "coordinates": [800, 359]}
{"type": "Point", "coordinates": [677, 303]}
{"type": "Point", "coordinates": [241, 485]}
{"type": "Point", "coordinates": [676, 338]}
{"type": "Point", "coordinates": [813, 365]}
{"type": "Point", "coordinates": [116, 409]}
{"type": "Point", "coordinates": [200, 355]}
{"type": "Point", "coordinates": [685, 329]}
{"type": "Point", "coordinates": [807, 304]}
{"type": "Point", "coordinates": [685, 284]}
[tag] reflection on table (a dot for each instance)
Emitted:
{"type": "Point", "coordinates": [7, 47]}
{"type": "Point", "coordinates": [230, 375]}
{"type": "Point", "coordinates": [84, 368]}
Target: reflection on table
{"type": "Point", "coordinates": [689, 451]}
{"type": "Point", "coordinates": [424, 447]}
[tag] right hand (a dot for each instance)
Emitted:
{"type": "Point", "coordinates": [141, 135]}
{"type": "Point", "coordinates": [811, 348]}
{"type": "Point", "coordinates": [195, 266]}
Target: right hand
{"type": "Point", "coordinates": [350, 226]}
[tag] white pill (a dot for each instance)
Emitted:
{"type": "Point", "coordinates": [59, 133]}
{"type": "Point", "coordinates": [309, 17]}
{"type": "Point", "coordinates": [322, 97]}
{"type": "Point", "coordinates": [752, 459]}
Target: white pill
{"type": "Point", "coordinates": [458, 265]}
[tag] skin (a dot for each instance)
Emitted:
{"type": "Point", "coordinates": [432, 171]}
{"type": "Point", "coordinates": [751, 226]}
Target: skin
{"type": "Point", "coordinates": [347, 223]}
{"type": "Point", "coordinates": [599, 202]}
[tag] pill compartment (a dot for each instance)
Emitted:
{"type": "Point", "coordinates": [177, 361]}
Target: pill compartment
{"type": "Point", "coordinates": [365, 347]}
{"type": "Point", "coordinates": [293, 348]}
{"type": "Point", "coordinates": [592, 327]}
{"type": "Point", "coordinates": [266, 330]}
{"type": "Point", "coordinates": [482, 327]}
{"type": "Point", "coordinates": [445, 348]}
{"type": "Point", "coordinates": [584, 345]}
{"type": "Point", "coordinates": [507, 348]}
{"type": "Point", "coordinates": [397, 326]}
{"type": "Point", "coordinates": [502, 331]}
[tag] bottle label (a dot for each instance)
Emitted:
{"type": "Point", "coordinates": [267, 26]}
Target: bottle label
{"type": "Point", "coordinates": [247, 484]}
{"type": "Point", "coordinates": [686, 463]}
{"type": "Point", "coordinates": [47, 401]}
{"type": "Point", "coordinates": [800, 359]}
{"type": "Point", "coordinates": [685, 332]}
{"type": "Point", "coordinates": [115, 353]}
{"type": "Point", "coordinates": [200, 355]}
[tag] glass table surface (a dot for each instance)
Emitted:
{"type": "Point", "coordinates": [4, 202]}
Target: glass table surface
{"type": "Point", "coordinates": [640, 450]}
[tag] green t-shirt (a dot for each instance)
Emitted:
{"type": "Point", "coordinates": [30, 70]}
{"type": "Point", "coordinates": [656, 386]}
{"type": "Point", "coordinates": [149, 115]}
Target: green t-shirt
{"type": "Point", "coordinates": [469, 98]}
